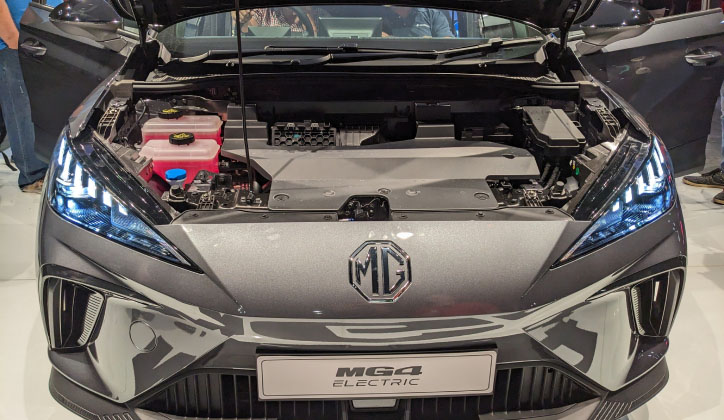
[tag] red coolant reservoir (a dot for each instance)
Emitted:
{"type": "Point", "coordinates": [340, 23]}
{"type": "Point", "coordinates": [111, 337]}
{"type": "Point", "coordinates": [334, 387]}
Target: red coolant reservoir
{"type": "Point", "coordinates": [183, 151]}
{"type": "Point", "coordinates": [172, 120]}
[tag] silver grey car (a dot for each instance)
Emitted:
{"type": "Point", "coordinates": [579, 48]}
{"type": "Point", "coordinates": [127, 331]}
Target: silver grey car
{"type": "Point", "coordinates": [356, 210]}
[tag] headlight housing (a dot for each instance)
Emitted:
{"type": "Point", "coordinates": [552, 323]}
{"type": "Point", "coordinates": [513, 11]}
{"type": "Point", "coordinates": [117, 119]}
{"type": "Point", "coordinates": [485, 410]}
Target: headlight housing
{"type": "Point", "coordinates": [79, 196]}
{"type": "Point", "coordinates": [644, 198]}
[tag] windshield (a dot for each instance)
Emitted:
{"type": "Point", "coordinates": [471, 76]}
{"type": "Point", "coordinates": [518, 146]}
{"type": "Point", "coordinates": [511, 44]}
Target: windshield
{"type": "Point", "coordinates": [332, 25]}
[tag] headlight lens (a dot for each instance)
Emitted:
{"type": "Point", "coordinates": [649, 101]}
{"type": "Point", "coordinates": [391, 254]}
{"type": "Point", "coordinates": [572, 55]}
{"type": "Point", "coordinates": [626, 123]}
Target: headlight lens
{"type": "Point", "coordinates": [650, 195]}
{"type": "Point", "coordinates": [77, 197]}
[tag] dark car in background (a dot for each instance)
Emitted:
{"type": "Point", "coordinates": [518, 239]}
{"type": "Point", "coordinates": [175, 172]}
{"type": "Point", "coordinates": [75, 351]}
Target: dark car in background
{"type": "Point", "coordinates": [651, 71]}
{"type": "Point", "coordinates": [387, 212]}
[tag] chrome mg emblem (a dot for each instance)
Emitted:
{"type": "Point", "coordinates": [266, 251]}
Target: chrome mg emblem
{"type": "Point", "coordinates": [380, 271]}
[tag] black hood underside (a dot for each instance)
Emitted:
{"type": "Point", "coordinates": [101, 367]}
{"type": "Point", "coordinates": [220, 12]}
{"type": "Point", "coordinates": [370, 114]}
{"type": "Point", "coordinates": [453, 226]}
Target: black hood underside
{"type": "Point", "coordinates": [542, 13]}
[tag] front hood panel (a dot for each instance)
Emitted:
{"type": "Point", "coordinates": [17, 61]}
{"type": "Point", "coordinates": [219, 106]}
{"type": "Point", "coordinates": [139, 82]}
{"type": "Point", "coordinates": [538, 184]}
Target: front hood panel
{"type": "Point", "coordinates": [542, 13]}
{"type": "Point", "coordinates": [302, 270]}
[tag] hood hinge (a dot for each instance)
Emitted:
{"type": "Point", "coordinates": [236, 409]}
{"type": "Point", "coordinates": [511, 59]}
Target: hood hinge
{"type": "Point", "coordinates": [136, 13]}
{"type": "Point", "coordinates": [139, 13]}
{"type": "Point", "coordinates": [143, 36]}
{"type": "Point", "coordinates": [568, 19]}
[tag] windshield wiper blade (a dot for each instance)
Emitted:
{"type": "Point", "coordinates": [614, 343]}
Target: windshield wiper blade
{"type": "Point", "coordinates": [311, 50]}
{"type": "Point", "coordinates": [272, 50]}
{"type": "Point", "coordinates": [352, 53]}
{"type": "Point", "coordinates": [233, 55]}
{"type": "Point", "coordinates": [345, 53]}
{"type": "Point", "coordinates": [359, 57]}
{"type": "Point", "coordinates": [342, 48]}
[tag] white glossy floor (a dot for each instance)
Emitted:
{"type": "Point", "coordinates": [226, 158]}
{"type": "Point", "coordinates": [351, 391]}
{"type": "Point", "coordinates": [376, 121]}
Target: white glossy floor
{"type": "Point", "coordinates": [696, 359]}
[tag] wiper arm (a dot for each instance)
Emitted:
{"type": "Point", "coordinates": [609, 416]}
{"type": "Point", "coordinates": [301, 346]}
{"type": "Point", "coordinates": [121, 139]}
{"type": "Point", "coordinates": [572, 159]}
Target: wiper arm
{"type": "Point", "coordinates": [482, 50]}
{"type": "Point", "coordinates": [493, 45]}
{"type": "Point", "coordinates": [219, 55]}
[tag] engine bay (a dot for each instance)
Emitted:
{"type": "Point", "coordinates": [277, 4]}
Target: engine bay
{"type": "Point", "coordinates": [363, 159]}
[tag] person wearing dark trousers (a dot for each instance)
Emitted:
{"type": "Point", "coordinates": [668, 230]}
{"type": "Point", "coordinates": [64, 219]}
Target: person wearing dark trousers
{"type": "Point", "coordinates": [417, 23]}
{"type": "Point", "coordinates": [14, 99]}
{"type": "Point", "coordinates": [679, 7]}
{"type": "Point", "coordinates": [713, 177]}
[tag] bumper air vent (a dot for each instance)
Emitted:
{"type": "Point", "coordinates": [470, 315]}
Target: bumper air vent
{"type": "Point", "coordinates": [655, 301]}
{"type": "Point", "coordinates": [519, 392]}
{"type": "Point", "coordinates": [71, 311]}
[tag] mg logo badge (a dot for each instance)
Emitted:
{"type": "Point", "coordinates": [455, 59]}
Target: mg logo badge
{"type": "Point", "coordinates": [380, 271]}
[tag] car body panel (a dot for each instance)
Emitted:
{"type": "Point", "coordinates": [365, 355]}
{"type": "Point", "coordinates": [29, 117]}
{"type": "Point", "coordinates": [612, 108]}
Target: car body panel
{"type": "Point", "coordinates": [224, 286]}
{"type": "Point", "coordinates": [651, 73]}
{"type": "Point", "coordinates": [60, 79]}
{"type": "Point", "coordinates": [542, 13]}
{"type": "Point", "coordinates": [315, 277]}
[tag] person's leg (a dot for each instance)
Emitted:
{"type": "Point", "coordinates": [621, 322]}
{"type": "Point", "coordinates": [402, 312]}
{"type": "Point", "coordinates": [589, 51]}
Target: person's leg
{"type": "Point", "coordinates": [712, 175]}
{"type": "Point", "coordinates": [721, 101]}
{"type": "Point", "coordinates": [713, 150]}
{"type": "Point", "coordinates": [719, 198]}
{"type": "Point", "coordinates": [16, 114]}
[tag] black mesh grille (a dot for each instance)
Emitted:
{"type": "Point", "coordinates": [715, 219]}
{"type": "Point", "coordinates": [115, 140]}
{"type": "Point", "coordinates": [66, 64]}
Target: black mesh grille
{"type": "Point", "coordinates": [516, 390]}
{"type": "Point", "coordinates": [214, 395]}
{"type": "Point", "coordinates": [234, 396]}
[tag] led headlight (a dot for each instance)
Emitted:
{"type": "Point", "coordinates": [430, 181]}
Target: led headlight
{"type": "Point", "coordinates": [646, 198]}
{"type": "Point", "coordinates": [79, 198]}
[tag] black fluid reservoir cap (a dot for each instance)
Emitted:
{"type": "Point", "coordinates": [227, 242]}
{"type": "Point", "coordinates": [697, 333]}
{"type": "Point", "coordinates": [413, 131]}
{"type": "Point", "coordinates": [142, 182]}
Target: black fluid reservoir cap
{"type": "Point", "coordinates": [170, 114]}
{"type": "Point", "coordinates": [180, 139]}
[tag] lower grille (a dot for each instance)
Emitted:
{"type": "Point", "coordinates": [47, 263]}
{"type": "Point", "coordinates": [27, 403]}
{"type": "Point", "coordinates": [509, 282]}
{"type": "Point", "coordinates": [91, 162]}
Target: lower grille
{"type": "Point", "coordinates": [655, 302]}
{"type": "Point", "coordinates": [72, 311]}
{"type": "Point", "coordinates": [234, 396]}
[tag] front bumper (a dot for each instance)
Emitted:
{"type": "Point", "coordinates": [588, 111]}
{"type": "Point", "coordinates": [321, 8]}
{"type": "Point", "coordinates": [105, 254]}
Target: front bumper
{"type": "Point", "coordinates": [149, 353]}
{"type": "Point", "coordinates": [187, 402]}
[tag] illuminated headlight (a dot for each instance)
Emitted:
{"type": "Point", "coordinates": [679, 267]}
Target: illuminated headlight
{"type": "Point", "coordinates": [80, 199]}
{"type": "Point", "coordinates": [650, 195]}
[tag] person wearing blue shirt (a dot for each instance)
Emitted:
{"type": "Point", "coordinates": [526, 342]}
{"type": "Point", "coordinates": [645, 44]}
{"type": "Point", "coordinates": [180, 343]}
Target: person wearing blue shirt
{"type": "Point", "coordinates": [416, 22]}
{"type": "Point", "coordinates": [14, 100]}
